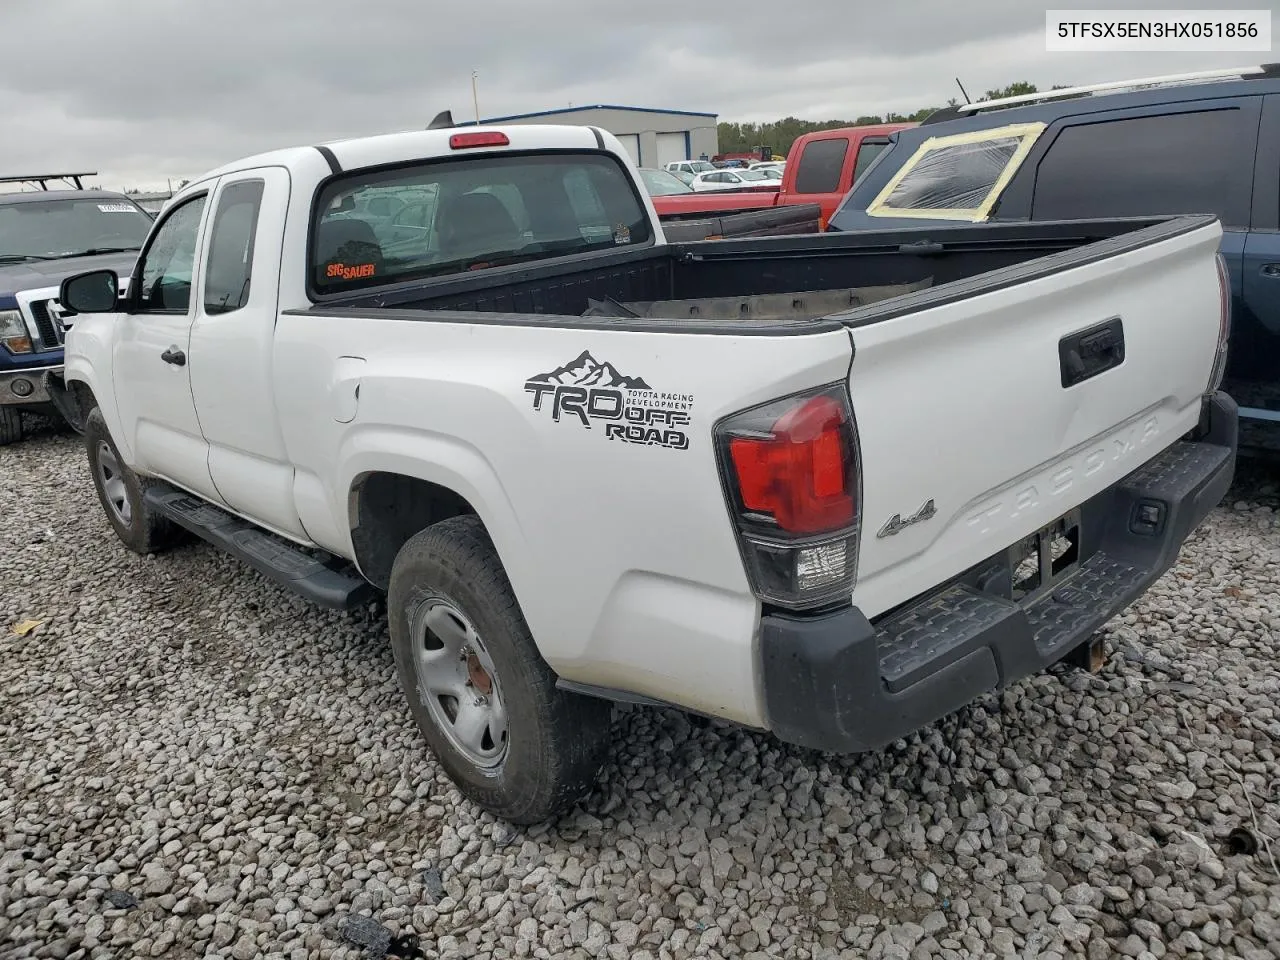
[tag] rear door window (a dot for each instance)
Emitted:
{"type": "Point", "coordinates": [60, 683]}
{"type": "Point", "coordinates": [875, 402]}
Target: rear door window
{"type": "Point", "coordinates": [868, 150]}
{"type": "Point", "coordinates": [820, 165]}
{"type": "Point", "coordinates": [958, 177]}
{"type": "Point", "coordinates": [459, 215]}
{"type": "Point", "coordinates": [1187, 162]}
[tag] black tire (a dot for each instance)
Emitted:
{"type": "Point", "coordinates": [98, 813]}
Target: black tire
{"type": "Point", "coordinates": [556, 742]}
{"type": "Point", "coordinates": [10, 425]}
{"type": "Point", "coordinates": [139, 528]}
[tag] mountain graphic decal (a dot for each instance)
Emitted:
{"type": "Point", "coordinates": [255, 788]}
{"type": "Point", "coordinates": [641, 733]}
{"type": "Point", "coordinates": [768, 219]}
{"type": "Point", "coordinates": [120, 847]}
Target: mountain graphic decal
{"type": "Point", "coordinates": [587, 371]}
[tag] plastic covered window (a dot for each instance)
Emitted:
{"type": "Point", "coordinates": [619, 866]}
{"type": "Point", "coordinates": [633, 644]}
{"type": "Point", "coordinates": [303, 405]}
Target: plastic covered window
{"type": "Point", "coordinates": [957, 177]}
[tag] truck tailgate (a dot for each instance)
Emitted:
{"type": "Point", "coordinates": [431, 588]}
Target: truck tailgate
{"type": "Point", "coordinates": [973, 434]}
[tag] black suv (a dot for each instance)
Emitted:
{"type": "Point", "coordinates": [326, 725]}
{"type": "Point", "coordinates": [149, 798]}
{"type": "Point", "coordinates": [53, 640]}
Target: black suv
{"type": "Point", "coordinates": [1198, 143]}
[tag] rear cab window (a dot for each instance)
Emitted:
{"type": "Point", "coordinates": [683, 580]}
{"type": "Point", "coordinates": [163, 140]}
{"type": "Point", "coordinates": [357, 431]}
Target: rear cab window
{"type": "Point", "coordinates": [958, 177]}
{"type": "Point", "coordinates": [432, 219]}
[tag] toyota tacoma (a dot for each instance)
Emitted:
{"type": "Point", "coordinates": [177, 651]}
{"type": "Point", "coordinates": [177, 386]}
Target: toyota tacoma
{"type": "Point", "coordinates": [833, 486]}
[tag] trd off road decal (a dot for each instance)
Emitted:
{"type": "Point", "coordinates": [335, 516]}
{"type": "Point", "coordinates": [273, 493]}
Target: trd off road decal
{"type": "Point", "coordinates": [597, 395]}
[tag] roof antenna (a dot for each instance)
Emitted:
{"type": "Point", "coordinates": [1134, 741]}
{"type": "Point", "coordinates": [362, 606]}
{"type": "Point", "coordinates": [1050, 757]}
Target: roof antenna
{"type": "Point", "coordinates": [443, 120]}
{"type": "Point", "coordinates": [962, 90]}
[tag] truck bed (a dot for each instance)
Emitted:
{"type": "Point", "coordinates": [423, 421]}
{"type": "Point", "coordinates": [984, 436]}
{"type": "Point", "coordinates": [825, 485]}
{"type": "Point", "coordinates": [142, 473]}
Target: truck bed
{"type": "Point", "coordinates": [843, 279]}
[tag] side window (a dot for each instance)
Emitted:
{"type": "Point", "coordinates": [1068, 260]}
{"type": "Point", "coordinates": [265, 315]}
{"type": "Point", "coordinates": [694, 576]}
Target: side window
{"type": "Point", "coordinates": [867, 153]}
{"type": "Point", "coordinates": [1192, 162]}
{"type": "Point", "coordinates": [820, 166]}
{"type": "Point", "coordinates": [169, 263]}
{"type": "Point", "coordinates": [230, 261]}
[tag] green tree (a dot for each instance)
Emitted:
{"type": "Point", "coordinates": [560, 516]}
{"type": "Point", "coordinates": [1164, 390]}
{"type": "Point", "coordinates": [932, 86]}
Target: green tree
{"type": "Point", "coordinates": [1019, 89]}
{"type": "Point", "coordinates": [781, 134]}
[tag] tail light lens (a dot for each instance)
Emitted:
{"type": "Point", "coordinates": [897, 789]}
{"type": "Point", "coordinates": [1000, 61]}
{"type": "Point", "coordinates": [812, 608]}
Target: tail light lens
{"type": "Point", "coordinates": [1224, 327]}
{"type": "Point", "coordinates": [791, 476]}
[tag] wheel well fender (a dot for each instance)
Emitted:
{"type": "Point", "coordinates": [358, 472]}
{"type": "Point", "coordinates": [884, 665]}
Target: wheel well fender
{"type": "Point", "coordinates": [391, 497]}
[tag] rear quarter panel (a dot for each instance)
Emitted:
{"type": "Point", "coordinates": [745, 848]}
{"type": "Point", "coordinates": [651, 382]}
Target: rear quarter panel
{"type": "Point", "coordinates": [621, 554]}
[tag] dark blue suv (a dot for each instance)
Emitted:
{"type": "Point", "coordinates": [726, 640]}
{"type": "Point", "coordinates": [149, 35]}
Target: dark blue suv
{"type": "Point", "coordinates": [1201, 143]}
{"type": "Point", "coordinates": [46, 236]}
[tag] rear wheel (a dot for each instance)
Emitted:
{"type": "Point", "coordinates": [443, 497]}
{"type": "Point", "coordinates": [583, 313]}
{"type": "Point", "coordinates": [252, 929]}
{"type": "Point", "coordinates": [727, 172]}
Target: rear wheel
{"type": "Point", "coordinates": [120, 492]}
{"type": "Point", "coordinates": [10, 425]}
{"type": "Point", "coordinates": [479, 690]}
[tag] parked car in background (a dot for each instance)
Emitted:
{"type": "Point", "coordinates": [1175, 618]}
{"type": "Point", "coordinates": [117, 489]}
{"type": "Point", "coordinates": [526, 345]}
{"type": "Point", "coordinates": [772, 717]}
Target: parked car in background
{"type": "Point", "coordinates": [663, 183]}
{"type": "Point", "coordinates": [688, 214]}
{"type": "Point", "coordinates": [820, 169]}
{"type": "Point", "coordinates": [45, 236]}
{"type": "Point", "coordinates": [585, 464]}
{"type": "Point", "coordinates": [1205, 142]}
{"type": "Point", "coordinates": [822, 166]}
{"type": "Point", "coordinates": [732, 179]}
{"type": "Point", "coordinates": [690, 167]}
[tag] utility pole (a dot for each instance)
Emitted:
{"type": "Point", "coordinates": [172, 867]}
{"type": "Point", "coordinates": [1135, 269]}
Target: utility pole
{"type": "Point", "coordinates": [475, 101]}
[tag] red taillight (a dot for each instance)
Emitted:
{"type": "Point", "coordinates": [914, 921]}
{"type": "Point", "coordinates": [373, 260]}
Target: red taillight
{"type": "Point", "coordinates": [791, 474]}
{"type": "Point", "coordinates": [494, 138]}
{"type": "Point", "coordinates": [799, 475]}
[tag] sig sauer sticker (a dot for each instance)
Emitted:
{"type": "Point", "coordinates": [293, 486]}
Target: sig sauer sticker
{"type": "Point", "coordinates": [350, 273]}
{"type": "Point", "coordinates": [596, 396]}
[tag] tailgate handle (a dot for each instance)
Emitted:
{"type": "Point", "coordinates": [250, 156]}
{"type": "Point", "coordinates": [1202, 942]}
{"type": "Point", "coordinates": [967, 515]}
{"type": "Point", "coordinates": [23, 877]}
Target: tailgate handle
{"type": "Point", "coordinates": [1089, 352]}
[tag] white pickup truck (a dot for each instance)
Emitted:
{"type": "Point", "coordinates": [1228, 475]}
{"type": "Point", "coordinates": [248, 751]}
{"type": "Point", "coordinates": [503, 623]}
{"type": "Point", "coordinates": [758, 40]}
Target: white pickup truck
{"type": "Point", "coordinates": [830, 486]}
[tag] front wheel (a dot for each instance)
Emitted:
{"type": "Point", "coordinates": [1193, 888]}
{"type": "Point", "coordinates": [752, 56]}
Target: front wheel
{"type": "Point", "coordinates": [479, 690]}
{"type": "Point", "coordinates": [120, 491]}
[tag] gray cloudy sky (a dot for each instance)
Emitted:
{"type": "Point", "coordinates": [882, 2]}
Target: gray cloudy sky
{"type": "Point", "coordinates": [141, 90]}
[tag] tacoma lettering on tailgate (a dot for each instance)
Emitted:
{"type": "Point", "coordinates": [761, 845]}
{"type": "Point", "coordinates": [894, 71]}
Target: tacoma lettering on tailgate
{"type": "Point", "coordinates": [1059, 480]}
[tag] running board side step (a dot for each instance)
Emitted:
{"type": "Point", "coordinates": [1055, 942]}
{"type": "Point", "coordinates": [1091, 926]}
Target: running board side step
{"type": "Point", "coordinates": [331, 583]}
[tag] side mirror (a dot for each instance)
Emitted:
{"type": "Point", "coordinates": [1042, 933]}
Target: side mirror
{"type": "Point", "coordinates": [94, 292]}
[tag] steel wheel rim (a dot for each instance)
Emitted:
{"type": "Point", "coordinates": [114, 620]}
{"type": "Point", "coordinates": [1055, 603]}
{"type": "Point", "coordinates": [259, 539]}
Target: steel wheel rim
{"type": "Point", "coordinates": [457, 683]}
{"type": "Point", "coordinates": [113, 488]}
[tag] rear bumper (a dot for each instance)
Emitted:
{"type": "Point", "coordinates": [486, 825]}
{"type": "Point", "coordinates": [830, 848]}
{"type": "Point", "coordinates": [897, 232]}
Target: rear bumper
{"type": "Point", "coordinates": [25, 386]}
{"type": "Point", "coordinates": [840, 683]}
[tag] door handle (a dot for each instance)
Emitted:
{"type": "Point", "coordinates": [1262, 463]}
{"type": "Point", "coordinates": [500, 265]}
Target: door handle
{"type": "Point", "coordinates": [1270, 270]}
{"type": "Point", "coordinates": [175, 356]}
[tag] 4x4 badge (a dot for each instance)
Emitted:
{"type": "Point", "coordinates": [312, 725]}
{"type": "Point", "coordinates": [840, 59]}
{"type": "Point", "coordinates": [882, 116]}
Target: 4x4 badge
{"type": "Point", "coordinates": [896, 523]}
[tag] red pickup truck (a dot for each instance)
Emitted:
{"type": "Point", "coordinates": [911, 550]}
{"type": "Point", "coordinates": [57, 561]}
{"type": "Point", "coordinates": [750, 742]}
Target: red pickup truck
{"type": "Point", "coordinates": [820, 169]}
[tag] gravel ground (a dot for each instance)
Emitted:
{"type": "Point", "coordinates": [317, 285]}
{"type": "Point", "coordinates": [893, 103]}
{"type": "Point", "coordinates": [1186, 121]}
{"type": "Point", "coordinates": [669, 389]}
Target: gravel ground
{"type": "Point", "coordinates": [193, 763]}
